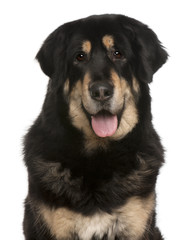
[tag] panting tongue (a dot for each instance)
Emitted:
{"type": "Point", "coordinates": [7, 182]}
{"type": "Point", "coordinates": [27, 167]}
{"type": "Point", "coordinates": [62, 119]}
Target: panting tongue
{"type": "Point", "coordinates": [104, 125]}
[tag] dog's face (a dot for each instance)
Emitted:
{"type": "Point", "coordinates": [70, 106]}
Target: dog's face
{"type": "Point", "coordinates": [102, 61]}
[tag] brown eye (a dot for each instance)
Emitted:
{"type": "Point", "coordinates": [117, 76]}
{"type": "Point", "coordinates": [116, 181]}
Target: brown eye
{"type": "Point", "coordinates": [117, 54]}
{"type": "Point", "coordinates": [81, 57]}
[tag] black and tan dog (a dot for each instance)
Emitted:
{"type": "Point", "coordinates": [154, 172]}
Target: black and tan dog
{"type": "Point", "coordinates": [93, 155]}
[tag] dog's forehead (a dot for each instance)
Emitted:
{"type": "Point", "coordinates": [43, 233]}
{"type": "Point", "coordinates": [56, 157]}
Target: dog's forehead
{"type": "Point", "coordinates": [105, 30]}
{"type": "Point", "coordinates": [87, 44]}
{"type": "Point", "coordinates": [107, 41]}
{"type": "Point", "coordinates": [100, 24]}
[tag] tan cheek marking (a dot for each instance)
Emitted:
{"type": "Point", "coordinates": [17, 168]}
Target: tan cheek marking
{"type": "Point", "coordinates": [77, 115]}
{"type": "Point", "coordinates": [136, 86]}
{"type": "Point", "coordinates": [108, 41]}
{"type": "Point", "coordinates": [85, 90]}
{"type": "Point", "coordinates": [117, 100]}
{"type": "Point", "coordinates": [128, 121]}
{"type": "Point", "coordinates": [134, 216]}
{"type": "Point", "coordinates": [86, 46]}
{"type": "Point", "coordinates": [130, 115]}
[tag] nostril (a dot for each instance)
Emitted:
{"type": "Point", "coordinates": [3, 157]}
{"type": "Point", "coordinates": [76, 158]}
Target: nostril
{"type": "Point", "coordinates": [107, 93]}
{"type": "Point", "coordinates": [101, 91]}
{"type": "Point", "coordinates": [95, 93]}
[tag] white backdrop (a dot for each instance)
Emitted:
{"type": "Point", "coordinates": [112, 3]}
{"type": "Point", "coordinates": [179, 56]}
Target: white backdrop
{"type": "Point", "coordinates": [23, 27]}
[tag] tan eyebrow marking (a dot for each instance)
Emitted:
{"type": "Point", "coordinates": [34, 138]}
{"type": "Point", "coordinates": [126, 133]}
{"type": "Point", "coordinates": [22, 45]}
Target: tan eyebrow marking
{"type": "Point", "coordinates": [86, 46]}
{"type": "Point", "coordinates": [108, 41]}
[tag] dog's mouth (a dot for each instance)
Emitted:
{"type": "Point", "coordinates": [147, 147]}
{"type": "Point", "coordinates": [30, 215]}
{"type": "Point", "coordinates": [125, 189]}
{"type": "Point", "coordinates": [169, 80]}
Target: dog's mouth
{"type": "Point", "coordinates": [104, 124]}
{"type": "Point", "coordinates": [106, 120]}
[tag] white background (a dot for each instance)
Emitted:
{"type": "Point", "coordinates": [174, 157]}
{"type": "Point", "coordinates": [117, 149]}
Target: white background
{"type": "Point", "coordinates": [23, 27]}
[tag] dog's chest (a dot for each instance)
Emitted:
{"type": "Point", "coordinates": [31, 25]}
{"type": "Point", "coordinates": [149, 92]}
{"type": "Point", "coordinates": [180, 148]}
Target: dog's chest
{"type": "Point", "coordinates": [128, 221]}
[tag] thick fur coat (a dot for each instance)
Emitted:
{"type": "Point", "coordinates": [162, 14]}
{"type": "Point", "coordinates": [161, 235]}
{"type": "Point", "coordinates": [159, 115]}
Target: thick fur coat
{"type": "Point", "coordinates": [92, 154]}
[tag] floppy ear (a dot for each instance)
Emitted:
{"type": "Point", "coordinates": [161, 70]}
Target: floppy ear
{"type": "Point", "coordinates": [48, 53]}
{"type": "Point", "coordinates": [45, 57]}
{"type": "Point", "coordinates": [149, 53]}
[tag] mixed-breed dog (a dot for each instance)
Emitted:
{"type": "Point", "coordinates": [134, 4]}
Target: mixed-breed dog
{"type": "Point", "coordinates": [92, 154]}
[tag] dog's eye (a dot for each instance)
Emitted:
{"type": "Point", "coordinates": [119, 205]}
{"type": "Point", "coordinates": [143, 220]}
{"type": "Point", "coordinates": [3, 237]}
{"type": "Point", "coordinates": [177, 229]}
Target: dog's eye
{"type": "Point", "coordinates": [117, 54]}
{"type": "Point", "coordinates": [81, 57]}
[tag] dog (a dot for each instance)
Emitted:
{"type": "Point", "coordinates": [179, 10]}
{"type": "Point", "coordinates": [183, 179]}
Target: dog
{"type": "Point", "coordinates": [92, 154]}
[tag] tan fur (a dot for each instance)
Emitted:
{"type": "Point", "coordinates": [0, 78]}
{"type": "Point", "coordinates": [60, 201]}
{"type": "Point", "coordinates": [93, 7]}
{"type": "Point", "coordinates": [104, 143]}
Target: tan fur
{"type": "Point", "coordinates": [86, 46]}
{"type": "Point", "coordinates": [128, 121]}
{"type": "Point", "coordinates": [130, 115]}
{"type": "Point", "coordinates": [60, 222]}
{"type": "Point", "coordinates": [123, 97]}
{"type": "Point", "coordinates": [118, 96]}
{"type": "Point", "coordinates": [135, 215]}
{"type": "Point", "coordinates": [80, 93]}
{"type": "Point", "coordinates": [66, 87]}
{"type": "Point", "coordinates": [108, 41]}
{"type": "Point", "coordinates": [76, 113]}
{"type": "Point", "coordinates": [128, 221]}
{"type": "Point", "coordinates": [136, 87]}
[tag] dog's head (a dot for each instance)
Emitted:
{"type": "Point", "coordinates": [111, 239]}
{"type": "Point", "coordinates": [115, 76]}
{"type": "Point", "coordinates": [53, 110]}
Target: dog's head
{"type": "Point", "coordinates": [101, 62]}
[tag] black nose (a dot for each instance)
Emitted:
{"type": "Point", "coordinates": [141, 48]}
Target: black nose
{"type": "Point", "coordinates": [101, 91]}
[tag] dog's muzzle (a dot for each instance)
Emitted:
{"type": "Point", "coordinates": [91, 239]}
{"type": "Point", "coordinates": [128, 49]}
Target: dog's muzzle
{"type": "Point", "coordinates": [103, 123]}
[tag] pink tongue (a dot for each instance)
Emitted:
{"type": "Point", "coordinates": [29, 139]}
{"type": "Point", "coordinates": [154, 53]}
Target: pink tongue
{"type": "Point", "coordinates": [104, 125]}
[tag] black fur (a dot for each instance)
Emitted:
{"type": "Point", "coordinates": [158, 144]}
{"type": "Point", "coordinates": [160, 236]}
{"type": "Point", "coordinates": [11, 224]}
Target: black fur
{"type": "Point", "coordinates": [101, 180]}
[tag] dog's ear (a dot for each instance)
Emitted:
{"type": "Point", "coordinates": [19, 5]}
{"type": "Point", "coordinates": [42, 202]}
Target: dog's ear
{"type": "Point", "coordinates": [149, 53]}
{"type": "Point", "coordinates": [48, 53]}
